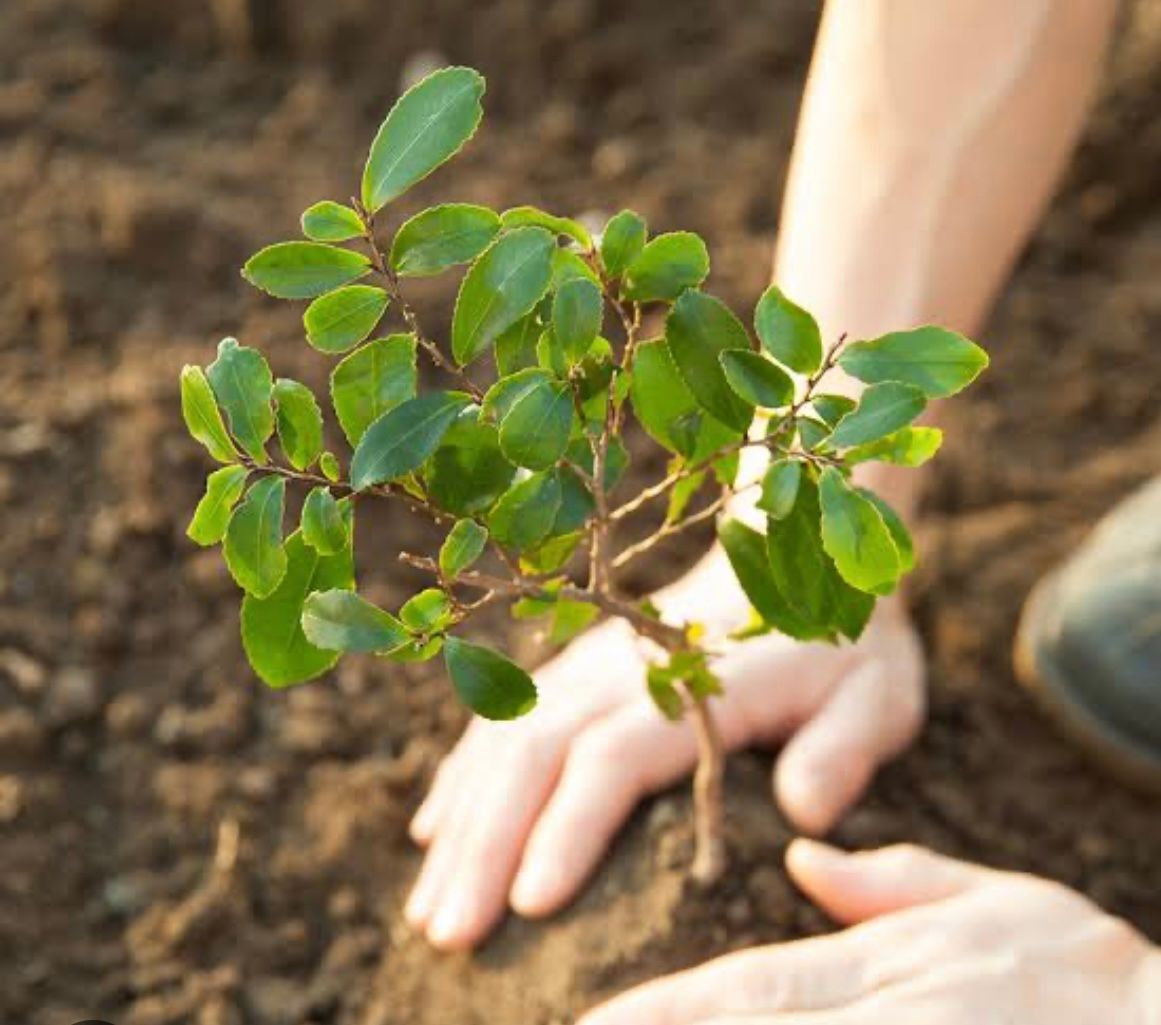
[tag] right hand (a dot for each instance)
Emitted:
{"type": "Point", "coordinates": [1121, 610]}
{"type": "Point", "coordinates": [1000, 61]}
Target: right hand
{"type": "Point", "coordinates": [523, 812]}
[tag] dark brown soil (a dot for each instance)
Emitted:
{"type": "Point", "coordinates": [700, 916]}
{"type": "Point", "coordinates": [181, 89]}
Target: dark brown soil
{"type": "Point", "coordinates": [145, 150]}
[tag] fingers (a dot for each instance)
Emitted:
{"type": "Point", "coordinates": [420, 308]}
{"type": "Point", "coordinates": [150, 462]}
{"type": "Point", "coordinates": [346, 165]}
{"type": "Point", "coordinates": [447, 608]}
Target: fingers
{"type": "Point", "coordinates": [634, 751]}
{"type": "Point", "coordinates": [610, 767]}
{"type": "Point", "coordinates": [463, 890]}
{"type": "Point", "coordinates": [806, 976]}
{"type": "Point", "coordinates": [869, 718]}
{"type": "Point", "coordinates": [855, 887]}
{"type": "Point", "coordinates": [443, 790]}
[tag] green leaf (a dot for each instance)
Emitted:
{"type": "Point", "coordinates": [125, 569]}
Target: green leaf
{"type": "Point", "coordinates": [883, 408]}
{"type": "Point", "coordinates": [243, 386]}
{"type": "Point", "coordinates": [667, 409]}
{"type": "Point", "coordinates": [223, 489]}
{"type": "Point", "coordinates": [340, 620]}
{"type": "Point", "coordinates": [550, 355]}
{"type": "Point", "coordinates": [303, 270]}
{"type": "Point", "coordinates": [666, 267]}
{"type": "Point", "coordinates": [576, 316]}
{"type": "Point", "coordinates": [936, 361]}
{"type": "Point", "coordinates": [331, 222]}
{"type": "Point", "coordinates": [804, 574]}
{"type": "Point", "coordinates": [570, 618]}
{"type": "Point", "coordinates": [203, 419]}
{"type": "Point", "coordinates": [272, 633]}
{"type": "Point", "coordinates": [756, 379]}
{"type": "Point", "coordinates": [899, 532]}
{"type": "Point", "coordinates": [525, 514]}
{"type": "Point", "coordinates": [504, 284]}
{"type": "Point", "coordinates": [372, 380]}
{"type": "Point", "coordinates": [403, 438]}
{"type": "Point", "coordinates": [428, 611]}
{"type": "Point", "coordinates": [530, 216]}
{"type": "Point", "coordinates": [698, 329]}
{"type": "Point", "coordinates": [468, 472]}
{"type": "Point", "coordinates": [551, 555]}
{"type": "Point", "coordinates": [323, 524]}
{"type": "Point", "coordinates": [855, 535]}
{"type": "Point", "coordinates": [534, 433]}
{"type": "Point", "coordinates": [340, 320]}
{"type": "Point", "coordinates": [832, 408]}
{"type": "Point", "coordinates": [463, 545]}
{"type": "Point", "coordinates": [788, 332]}
{"type": "Point", "coordinates": [780, 488]}
{"type": "Point", "coordinates": [488, 683]}
{"type": "Point", "coordinates": [329, 464]}
{"type": "Point", "coordinates": [811, 432]}
{"type": "Point", "coordinates": [683, 491]}
{"type": "Point", "coordinates": [622, 241]}
{"type": "Point", "coordinates": [746, 550]}
{"type": "Point", "coordinates": [912, 446]}
{"type": "Point", "coordinates": [299, 422]}
{"type": "Point", "coordinates": [442, 237]}
{"type": "Point", "coordinates": [506, 392]}
{"type": "Point", "coordinates": [253, 548]}
{"type": "Point", "coordinates": [428, 125]}
{"type": "Point", "coordinates": [568, 266]}
{"type": "Point", "coordinates": [418, 650]}
{"type": "Point", "coordinates": [665, 694]}
{"type": "Point", "coordinates": [516, 346]}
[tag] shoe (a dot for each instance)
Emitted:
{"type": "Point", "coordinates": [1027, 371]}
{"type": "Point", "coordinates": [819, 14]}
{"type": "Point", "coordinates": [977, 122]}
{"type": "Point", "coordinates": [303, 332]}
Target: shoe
{"type": "Point", "coordinates": [1089, 643]}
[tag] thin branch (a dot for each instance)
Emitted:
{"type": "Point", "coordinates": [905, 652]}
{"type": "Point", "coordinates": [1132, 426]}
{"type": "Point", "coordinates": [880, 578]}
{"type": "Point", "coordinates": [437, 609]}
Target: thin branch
{"type": "Point", "coordinates": [375, 491]}
{"type": "Point", "coordinates": [627, 555]}
{"type": "Point", "coordinates": [391, 279]}
{"type": "Point", "coordinates": [668, 636]}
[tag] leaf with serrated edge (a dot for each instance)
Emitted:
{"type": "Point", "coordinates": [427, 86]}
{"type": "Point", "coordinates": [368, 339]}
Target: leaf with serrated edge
{"type": "Point", "coordinates": [441, 237]}
{"type": "Point", "coordinates": [303, 270]}
{"type": "Point", "coordinates": [372, 380]}
{"type": "Point", "coordinates": [403, 438]}
{"type": "Point", "coordinates": [203, 418]}
{"type": "Point", "coordinates": [504, 284]}
{"type": "Point", "coordinates": [429, 124]}
{"type": "Point", "coordinates": [276, 647]}
{"type": "Point", "coordinates": [341, 319]}
{"type": "Point", "coordinates": [243, 386]}
{"type": "Point", "coordinates": [212, 516]}
{"type": "Point", "coordinates": [463, 545]}
{"type": "Point", "coordinates": [253, 548]}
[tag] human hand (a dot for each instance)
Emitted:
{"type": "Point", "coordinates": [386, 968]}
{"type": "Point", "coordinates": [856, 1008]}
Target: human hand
{"type": "Point", "coordinates": [523, 813]}
{"type": "Point", "coordinates": [944, 943]}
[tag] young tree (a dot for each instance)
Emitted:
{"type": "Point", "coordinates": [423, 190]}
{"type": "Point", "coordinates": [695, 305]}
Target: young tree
{"type": "Point", "coordinates": [521, 472]}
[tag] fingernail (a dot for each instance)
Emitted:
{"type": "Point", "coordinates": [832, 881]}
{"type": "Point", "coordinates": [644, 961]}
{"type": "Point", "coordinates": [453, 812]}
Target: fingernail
{"type": "Point", "coordinates": [418, 907]}
{"type": "Point", "coordinates": [420, 825]}
{"type": "Point", "coordinates": [533, 885]}
{"type": "Point", "coordinates": [447, 926]}
{"type": "Point", "coordinates": [807, 855]}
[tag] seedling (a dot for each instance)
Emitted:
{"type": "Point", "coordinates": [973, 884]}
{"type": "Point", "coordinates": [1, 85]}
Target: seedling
{"type": "Point", "coordinates": [519, 458]}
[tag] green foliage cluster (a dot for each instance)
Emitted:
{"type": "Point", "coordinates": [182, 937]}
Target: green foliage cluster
{"type": "Point", "coordinates": [519, 456]}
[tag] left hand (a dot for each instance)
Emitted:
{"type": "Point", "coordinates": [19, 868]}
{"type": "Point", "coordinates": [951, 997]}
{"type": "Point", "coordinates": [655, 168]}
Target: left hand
{"type": "Point", "coordinates": [936, 942]}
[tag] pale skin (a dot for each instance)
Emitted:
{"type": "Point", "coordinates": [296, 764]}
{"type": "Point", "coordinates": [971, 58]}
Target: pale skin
{"type": "Point", "coordinates": [931, 138]}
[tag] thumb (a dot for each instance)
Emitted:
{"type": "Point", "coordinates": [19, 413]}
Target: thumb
{"type": "Point", "coordinates": [852, 888]}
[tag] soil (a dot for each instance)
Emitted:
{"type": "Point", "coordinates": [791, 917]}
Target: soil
{"type": "Point", "coordinates": [146, 150]}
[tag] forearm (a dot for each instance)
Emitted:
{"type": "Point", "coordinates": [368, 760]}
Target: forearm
{"type": "Point", "coordinates": [930, 140]}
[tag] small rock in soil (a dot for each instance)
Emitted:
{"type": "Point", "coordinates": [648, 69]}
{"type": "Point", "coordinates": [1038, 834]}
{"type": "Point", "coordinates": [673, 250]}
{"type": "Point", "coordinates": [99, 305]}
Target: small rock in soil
{"type": "Point", "coordinates": [26, 673]}
{"type": "Point", "coordinates": [11, 799]}
{"type": "Point", "coordinates": [72, 696]}
{"type": "Point", "coordinates": [20, 732]}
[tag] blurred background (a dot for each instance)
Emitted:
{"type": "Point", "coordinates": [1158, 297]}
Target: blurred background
{"type": "Point", "coordinates": [178, 844]}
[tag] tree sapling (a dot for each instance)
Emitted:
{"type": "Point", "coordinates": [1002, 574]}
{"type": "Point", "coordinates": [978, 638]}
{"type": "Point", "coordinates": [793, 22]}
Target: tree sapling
{"type": "Point", "coordinates": [518, 458]}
